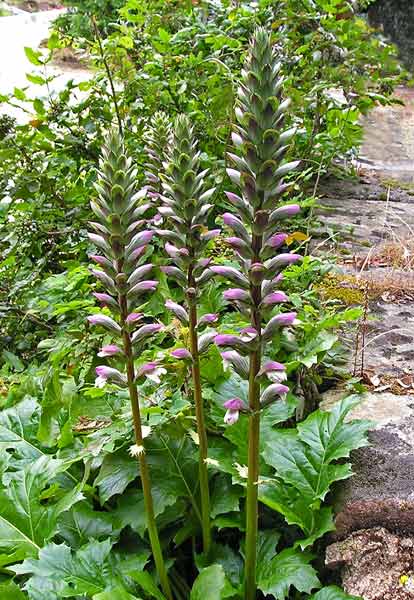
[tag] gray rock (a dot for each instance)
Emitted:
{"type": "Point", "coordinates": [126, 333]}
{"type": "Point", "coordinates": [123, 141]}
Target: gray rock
{"type": "Point", "coordinates": [375, 564]}
{"type": "Point", "coordinates": [381, 492]}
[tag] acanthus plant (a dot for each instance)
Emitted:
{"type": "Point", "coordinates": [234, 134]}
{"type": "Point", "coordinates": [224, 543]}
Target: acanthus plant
{"type": "Point", "coordinates": [261, 144]}
{"type": "Point", "coordinates": [184, 210]}
{"type": "Point", "coordinates": [122, 238]}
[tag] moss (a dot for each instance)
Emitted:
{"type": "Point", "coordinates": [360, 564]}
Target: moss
{"type": "Point", "coordinates": [395, 184]}
{"type": "Point", "coordinates": [344, 288]}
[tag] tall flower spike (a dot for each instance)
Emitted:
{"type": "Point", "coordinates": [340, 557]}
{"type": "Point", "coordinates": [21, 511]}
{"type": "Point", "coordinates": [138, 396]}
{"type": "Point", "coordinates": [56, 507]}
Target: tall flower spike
{"type": "Point", "coordinates": [187, 199]}
{"type": "Point", "coordinates": [121, 239]}
{"type": "Point", "coordinates": [157, 138]}
{"type": "Point", "coordinates": [257, 170]}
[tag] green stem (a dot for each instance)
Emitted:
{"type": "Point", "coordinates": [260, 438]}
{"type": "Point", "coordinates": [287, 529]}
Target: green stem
{"type": "Point", "coordinates": [143, 465]}
{"type": "Point", "coordinates": [253, 441]}
{"type": "Point", "coordinates": [199, 410]}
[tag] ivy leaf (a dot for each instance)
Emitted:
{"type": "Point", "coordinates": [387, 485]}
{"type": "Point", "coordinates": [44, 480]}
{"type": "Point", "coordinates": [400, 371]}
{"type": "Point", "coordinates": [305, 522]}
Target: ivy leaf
{"type": "Point", "coordinates": [25, 522]}
{"type": "Point", "coordinates": [210, 584]}
{"type": "Point", "coordinates": [288, 568]}
{"type": "Point", "coordinates": [333, 593]}
{"type": "Point", "coordinates": [10, 591]}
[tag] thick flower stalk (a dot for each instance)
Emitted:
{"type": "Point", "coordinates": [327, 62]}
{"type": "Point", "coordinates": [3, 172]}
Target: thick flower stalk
{"type": "Point", "coordinates": [120, 235]}
{"type": "Point", "coordinates": [185, 210]}
{"type": "Point", "coordinates": [258, 169]}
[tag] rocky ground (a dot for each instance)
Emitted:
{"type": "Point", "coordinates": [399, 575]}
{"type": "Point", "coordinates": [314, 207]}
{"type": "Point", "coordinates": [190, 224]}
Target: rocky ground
{"type": "Point", "coordinates": [368, 223]}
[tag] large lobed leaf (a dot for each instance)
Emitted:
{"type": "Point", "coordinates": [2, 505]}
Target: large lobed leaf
{"type": "Point", "coordinates": [290, 567]}
{"type": "Point", "coordinates": [26, 522]}
{"type": "Point", "coordinates": [333, 593]}
{"type": "Point", "coordinates": [306, 458]}
{"type": "Point", "coordinates": [18, 427]}
{"type": "Point", "coordinates": [89, 572]}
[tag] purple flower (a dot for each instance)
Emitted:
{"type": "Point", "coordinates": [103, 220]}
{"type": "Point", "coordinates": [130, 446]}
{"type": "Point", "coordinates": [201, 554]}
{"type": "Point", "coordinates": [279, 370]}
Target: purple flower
{"type": "Point", "coordinates": [236, 294]}
{"type": "Point", "coordinates": [239, 363]}
{"type": "Point", "coordinates": [276, 390]}
{"type": "Point", "coordinates": [139, 239]}
{"type": "Point", "coordinates": [277, 240]}
{"type": "Point", "coordinates": [275, 323]}
{"type": "Point", "coordinates": [234, 341]}
{"type": "Point", "coordinates": [143, 237]}
{"type": "Point", "coordinates": [280, 261]}
{"type": "Point", "coordinates": [146, 331]}
{"type": "Point", "coordinates": [105, 374]}
{"type": "Point", "coordinates": [226, 339]}
{"type": "Point", "coordinates": [175, 252]}
{"type": "Point", "coordinates": [237, 225]}
{"type": "Point", "coordinates": [239, 246]}
{"type": "Point", "coordinates": [274, 371]}
{"type": "Point", "coordinates": [275, 298]}
{"type": "Point", "coordinates": [205, 340]}
{"type": "Point", "coordinates": [248, 334]}
{"type": "Point", "coordinates": [134, 317]}
{"type": "Point", "coordinates": [208, 318]}
{"type": "Point", "coordinates": [139, 274]}
{"type": "Point", "coordinates": [257, 272]}
{"type": "Point", "coordinates": [234, 198]}
{"type": "Point", "coordinates": [106, 299]}
{"type": "Point", "coordinates": [232, 274]}
{"type": "Point", "coordinates": [178, 310]}
{"type": "Point", "coordinates": [181, 354]}
{"type": "Point", "coordinates": [210, 235]}
{"type": "Point", "coordinates": [148, 285]}
{"type": "Point", "coordinates": [136, 254]}
{"type": "Point", "coordinates": [234, 406]}
{"type": "Point", "coordinates": [109, 350]}
{"type": "Point", "coordinates": [104, 321]}
{"type": "Point", "coordinates": [175, 273]}
{"type": "Point", "coordinates": [285, 319]}
{"type": "Point", "coordinates": [107, 281]}
{"type": "Point", "coordinates": [99, 241]}
{"type": "Point", "coordinates": [152, 370]}
{"type": "Point", "coordinates": [269, 284]}
{"type": "Point", "coordinates": [284, 212]}
{"type": "Point", "coordinates": [101, 260]}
